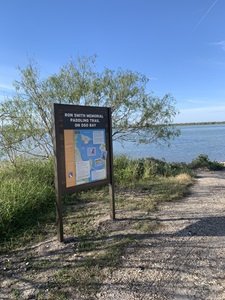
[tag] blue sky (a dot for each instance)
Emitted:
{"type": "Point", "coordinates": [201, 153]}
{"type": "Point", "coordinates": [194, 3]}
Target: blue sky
{"type": "Point", "coordinates": [178, 44]}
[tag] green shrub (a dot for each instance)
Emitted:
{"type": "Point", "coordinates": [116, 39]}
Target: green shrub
{"type": "Point", "coordinates": [202, 161]}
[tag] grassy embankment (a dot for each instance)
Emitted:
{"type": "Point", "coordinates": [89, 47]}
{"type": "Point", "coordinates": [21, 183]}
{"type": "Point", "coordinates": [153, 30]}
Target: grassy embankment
{"type": "Point", "coordinates": [27, 215]}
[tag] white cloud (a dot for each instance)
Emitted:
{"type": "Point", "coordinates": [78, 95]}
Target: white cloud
{"type": "Point", "coordinates": [206, 14]}
{"type": "Point", "coordinates": [196, 101]}
{"type": "Point", "coordinates": [201, 114]}
{"type": "Point", "coordinates": [4, 86]}
{"type": "Point", "coordinates": [6, 90]}
{"type": "Point", "coordinates": [220, 44]}
{"type": "Point", "coordinates": [153, 78]}
{"type": "Point", "coordinates": [205, 109]}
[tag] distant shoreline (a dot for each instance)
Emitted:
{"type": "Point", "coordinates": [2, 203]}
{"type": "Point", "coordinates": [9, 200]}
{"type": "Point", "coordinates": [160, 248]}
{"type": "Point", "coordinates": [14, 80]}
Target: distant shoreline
{"type": "Point", "coordinates": [199, 123]}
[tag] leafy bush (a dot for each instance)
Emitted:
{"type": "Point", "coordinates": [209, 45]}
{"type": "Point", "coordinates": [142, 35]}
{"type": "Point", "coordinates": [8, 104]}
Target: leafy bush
{"type": "Point", "coordinates": [202, 161]}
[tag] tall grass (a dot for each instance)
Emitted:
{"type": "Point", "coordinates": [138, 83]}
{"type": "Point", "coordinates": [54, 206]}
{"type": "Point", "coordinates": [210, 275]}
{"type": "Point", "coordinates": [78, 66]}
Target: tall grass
{"type": "Point", "coordinates": [26, 195]}
{"type": "Point", "coordinates": [128, 171]}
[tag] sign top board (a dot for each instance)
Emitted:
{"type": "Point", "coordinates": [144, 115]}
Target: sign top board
{"type": "Point", "coordinates": [85, 118]}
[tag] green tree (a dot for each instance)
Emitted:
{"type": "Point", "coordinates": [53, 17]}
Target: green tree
{"type": "Point", "coordinates": [26, 119]}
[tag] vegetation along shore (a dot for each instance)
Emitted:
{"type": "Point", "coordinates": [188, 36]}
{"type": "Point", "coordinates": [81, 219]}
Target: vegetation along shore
{"type": "Point", "coordinates": [27, 210]}
{"type": "Point", "coordinates": [199, 123]}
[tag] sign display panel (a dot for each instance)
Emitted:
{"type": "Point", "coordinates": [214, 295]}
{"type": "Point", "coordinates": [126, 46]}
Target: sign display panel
{"type": "Point", "coordinates": [85, 156]}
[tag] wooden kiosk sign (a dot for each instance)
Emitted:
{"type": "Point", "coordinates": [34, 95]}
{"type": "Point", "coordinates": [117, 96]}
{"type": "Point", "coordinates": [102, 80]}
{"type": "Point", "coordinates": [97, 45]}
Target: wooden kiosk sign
{"type": "Point", "coordinates": [83, 150]}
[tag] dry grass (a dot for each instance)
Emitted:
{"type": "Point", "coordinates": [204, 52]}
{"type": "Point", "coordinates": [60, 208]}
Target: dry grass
{"type": "Point", "coordinates": [184, 178]}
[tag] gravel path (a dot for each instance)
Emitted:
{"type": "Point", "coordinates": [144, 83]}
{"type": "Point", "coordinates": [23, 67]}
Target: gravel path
{"type": "Point", "coordinates": [185, 257]}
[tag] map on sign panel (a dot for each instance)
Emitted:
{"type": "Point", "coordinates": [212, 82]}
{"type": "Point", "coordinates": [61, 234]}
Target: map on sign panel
{"type": "Point", "coordinates": [90, 155]}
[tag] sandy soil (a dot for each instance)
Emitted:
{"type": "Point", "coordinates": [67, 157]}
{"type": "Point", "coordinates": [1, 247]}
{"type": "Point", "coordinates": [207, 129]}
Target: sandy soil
{"type": "Point", "coordinates": [185, 257]}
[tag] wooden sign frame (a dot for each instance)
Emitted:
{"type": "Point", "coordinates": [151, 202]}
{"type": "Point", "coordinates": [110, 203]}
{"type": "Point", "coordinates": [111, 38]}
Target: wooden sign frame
{"type": "Point", "coordinates": [76, 124]}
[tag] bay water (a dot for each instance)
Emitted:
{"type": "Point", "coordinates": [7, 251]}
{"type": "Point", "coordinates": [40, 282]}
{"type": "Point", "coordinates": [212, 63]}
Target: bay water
{"type": "Point", "coordinates": [193, 141]}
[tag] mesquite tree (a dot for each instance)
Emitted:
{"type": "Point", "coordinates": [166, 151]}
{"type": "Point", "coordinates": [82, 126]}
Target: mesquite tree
{"type": "Point", "coordinates": [27, 121]}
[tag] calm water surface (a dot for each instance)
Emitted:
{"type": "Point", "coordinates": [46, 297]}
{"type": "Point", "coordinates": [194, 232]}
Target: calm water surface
{"type": "Point", "coordinates": [194, 140]}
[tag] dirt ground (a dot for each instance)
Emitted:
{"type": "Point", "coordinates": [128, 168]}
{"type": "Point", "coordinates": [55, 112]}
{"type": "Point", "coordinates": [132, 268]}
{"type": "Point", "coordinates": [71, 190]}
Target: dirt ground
{"type": "Point", "coordinates": [183, 259]}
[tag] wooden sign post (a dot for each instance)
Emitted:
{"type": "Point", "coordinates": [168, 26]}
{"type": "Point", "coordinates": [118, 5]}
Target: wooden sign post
{"type": "Point", "coordinates": [83, 153]}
